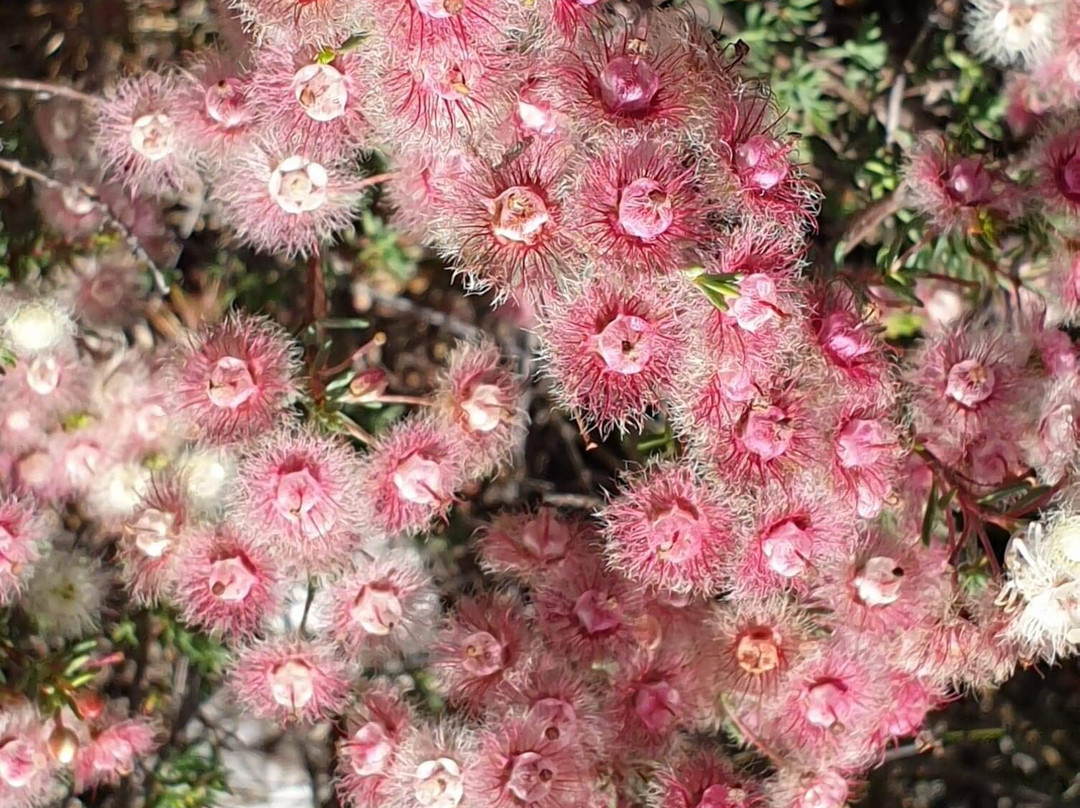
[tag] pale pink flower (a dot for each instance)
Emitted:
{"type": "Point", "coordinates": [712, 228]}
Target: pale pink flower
{"type": "Point", "coordinates": [281, 200]}
{"type": "Point", "coordinates": [114, 747]}
{"type": "Point", "coordinates": [326, 23]}
{"type": "Point", "coordinates": [27, 772]}
{"type": "Point", "coordinates": [412, 472]}
{"type": "Point", "coordinates": [53, 383]}
{"type": "Point", "coordinates": [302, 490]}
{"type": "Point", "coordinates": [483, 640]}
{"type": "Point", "coordinates": [418, 25]}
{"type": "Point", "coordinates": [479, 396]}
{"type": "Point", "coordinates": [375, 731]}
{"type": "Point", "coordinates": [137, 134]}
{"type": "Point", "coordinates": [385, 609]}
{"type": "Point", "coordinates": [22, 533]}
{"type": "Point", "coordinates": [531, 545]}
{"type": "Point", "coordinates": [1055, 156]}
{"type": "Point", "coordinates": [311, 102]}
{"type": "Point", "coordinates": [613, 353]}
{"type": "Point", "coordinates": [290, 679]}
{"type": "Point", "coordinates": [151, 538]}
{"type": "Point", "coordinates": [433, 768]}
{"type": "Point", "coordinates": [232, 381]}
{"type": "Point", "coordinates": [866, 457]}
{"type": "Point", "coordinates": [216, 105]}
{"type": "Point", "coordinates": [670, 530]}
{"type": "Point", "coordinates": [224, 583]}
{"type": "Point", "coordinates": [821, 788]}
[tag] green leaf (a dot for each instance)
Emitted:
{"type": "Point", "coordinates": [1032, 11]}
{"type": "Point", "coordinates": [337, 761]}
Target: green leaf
{"type": "Point", "coordinates": [929, 516]}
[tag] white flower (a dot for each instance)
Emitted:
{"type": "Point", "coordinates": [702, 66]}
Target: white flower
{"type": "Point", "coordinates": [37, 327]}
{"type": "Point", "coordinates": [65, 595]}
{"type": "Point", "coordinates": [1013, 31]}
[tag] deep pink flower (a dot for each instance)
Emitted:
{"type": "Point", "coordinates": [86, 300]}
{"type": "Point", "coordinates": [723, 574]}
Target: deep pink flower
{"type": "Point", "coordinates": [412, 472]}
{"type": "Point", "coordinates": [21, 535]}
{"type": "Point", "coordinates": [137, 134]}
{"type": "Point", "coordinates": [531, 545]}
{"type": "Point", "coordinates": [231, 381]}
{"type": "Point", "coordinates": [224, 583]}
{"type": "Point", "coordinates": [953, 191]}
{"type": "Point", "coordinates": [589, 613]}
{"type": "Point", "coordinates": [479, 397]}
{"type": "Point", "coordinates": [1056, 158]}
{"type": "Point", "coordinates": [612, 352]}
{"type": "Point", "coordinates": [670, 530]}
{"type": "Point", "coordinates": [639, 78]}
{"type": "Point", "coordinates": [654, 696]}
{"type": "Point", "coordinates": [290, 679]}
{"type": "Point", "coordinates": [504, 226]}
{"type": "Point", "coordinates": [484, 640]}
{"type": "Point", "coordinates": [386, 609]}
{"type": "Point", "coordinates": [301, 492]}
{"type": "Point", "coordinates": [702, 777]}
{"type": "Point", "coordinates": [366, 753]}
{"type": "Point", "coordinates": [112, 750]}
{"type": "Point", "coordinates": [638, 209]}
{"type": "Point", "coordinates": [517, 765]}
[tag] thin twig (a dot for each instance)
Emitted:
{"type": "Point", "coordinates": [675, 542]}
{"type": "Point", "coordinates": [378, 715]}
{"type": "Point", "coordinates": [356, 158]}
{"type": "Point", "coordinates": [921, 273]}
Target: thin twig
{"type": "Point", "coordinates": [15, 168]}
{"type": "Point", "coordinates": [47, 88]}
{"type": "Point", "coordinates": [583, 501]}
{"type": "Point", "coordinates": [419, 401]}
{"type": "Point", "coordinates": [455, 326]}
{"type": "Point", "coordinates": [375, 179]}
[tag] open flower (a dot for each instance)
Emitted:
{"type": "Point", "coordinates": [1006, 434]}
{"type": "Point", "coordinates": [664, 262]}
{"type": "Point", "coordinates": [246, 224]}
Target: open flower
{"type": "Point", "coordinates": [290, 679]}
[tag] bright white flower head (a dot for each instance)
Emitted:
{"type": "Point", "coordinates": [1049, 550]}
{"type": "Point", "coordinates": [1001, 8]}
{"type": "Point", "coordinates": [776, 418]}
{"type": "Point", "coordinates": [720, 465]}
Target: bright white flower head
{"type": "Point", "coordinates": [65, 595]}
{"type": "Point", "coordinates": [36, 327]}
{"type": "Point", "coordinates": [1011, 31]}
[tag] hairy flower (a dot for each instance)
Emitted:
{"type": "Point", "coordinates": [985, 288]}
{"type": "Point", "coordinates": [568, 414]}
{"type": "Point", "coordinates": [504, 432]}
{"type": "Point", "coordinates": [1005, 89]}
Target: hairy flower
{"type": "Point", "coordinates": [303, 492]}
{"type": "Point", "coordinates": [224, 583]}
{"type": "Point", "coordinates": [232, 380]}
{"type": "Point", "coordinates": [701, 778]}
{"type": "Point", "coordinates": [1013, 31]}
{"type": "Point", "coordinates": [111, 752]}
{"type": "Point", "coordinates": [531, 545]}
{"type": "Point", "coordinates": [290, 679]}
{"type": "Point", "coordinates": [386, 608]}
{"type": "Point", "coordinates": [215, 102]}
{"type": "Point", "coordinates": [22, 534]}
{"type": "Point", "coordinates": [670, 530]}
{"type": "Point", "coordinates": [27, 773]}
{"type": "Point", "coordinates": [151, 537]}
{"type": "Point", "coordinates": [1056, 159]}
{"type": "Point", "coordinates": [613, 352]}
{"type": "Point", "coordinates": [433, 767]}
{"type": "Point", "coordinates": [518, 765]}
{"type": "Point", "coordinates": [65, 594]}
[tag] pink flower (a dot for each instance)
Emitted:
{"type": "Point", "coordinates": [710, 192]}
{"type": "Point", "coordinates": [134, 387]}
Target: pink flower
{"type": "Point", "coordinates": [52, 384]}
{"type": "Point", "coordinates": [532, 545]}
{"type": "Point", "coordinates": [303, 491]}
{"type": "Point", "coordinates": [433, 768]}
{"type": "Point", "coordinates": [113, 748]}
{"type": "Point", "coordinates": [641, 78]}
{"type": "Point", "coordinates": [670, 530]}
{"type": "Point", "coordinates": [137, 134]}
{"type": "Point", "coordinates": [224, 583]}
{"type": "Point", "coordinates": [151, 539]}
{"type": "Point", "coordinates": [387, 608]}
{"type": "Point", "coordinates": [866, 456]}
{"type": "Point", "coordinates": [799, 532]}
{"type": "Point", "coordinates": [953, 191]}
{"type": "Point", "coordinates": [483, 641]}
{"type": "Point", "coordinates": [368, 750]}
{"type": "Point", "coordinates": [312, 103]}
{"type": "Point", "coordinates": [279, 199]}
{"type": "Point", "coordinates": [324, 23]}
{"type": "Point", "coordinates": [290, 679]}
{"type": "Point", "coordinates": [589, 613]}
{"type": "Point", "coordinates": [654, 697]}
{"type": "Point", "coordinates": [613, 353]}
{"type": "Point", "coordinates": [1056, 158]}
{"type": "Point", "coordinates": [421, 186]}
{"type": "Point", "coordinates": [479, 397]}
{"type": "Point", "coordinates": [68, 210]}
{"type": "Point", "coordinates": [754, 647]}
{"type": "Point", "coordinates": [214, 100]}
{"type": "Point", "coordinates": [21, 535]}
{"type": "Point", "coordinates": [27, 772]}
{"type": "Point", "coordinates": [969, 380]}
{"type": "Point", "coordinates": [104, 289]}
{"type": "Point", "coordinates": [823, 788]}
{"type": "Point", "coordinates": [638, 209]}
{"type": "Point", "coordinates": [504, 226]}
{"type": "Point", "coordinates": [702, 777]}
{"type": "Point", "coordinates": [518, 765]}
{"type": "Point", "coordinates": [413, 471]}
{"type": "Point", "coordinates": [231, 381]}
{"type": "Point", "coordinates": [468, 24]}
{"type": "Point", "coordinates": [910, 699]}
